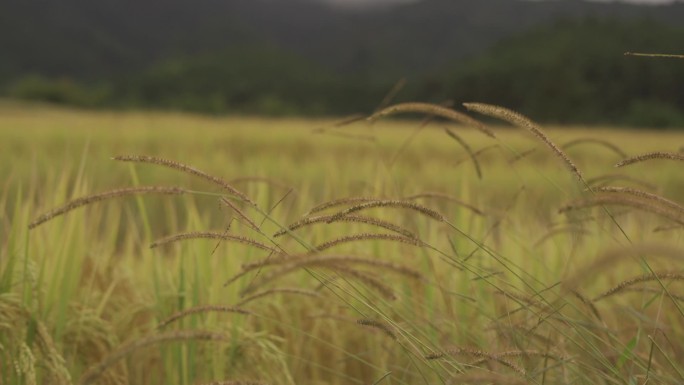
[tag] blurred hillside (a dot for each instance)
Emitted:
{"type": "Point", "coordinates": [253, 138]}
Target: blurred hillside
{"type": "Point", "coordinates": [557, 60]}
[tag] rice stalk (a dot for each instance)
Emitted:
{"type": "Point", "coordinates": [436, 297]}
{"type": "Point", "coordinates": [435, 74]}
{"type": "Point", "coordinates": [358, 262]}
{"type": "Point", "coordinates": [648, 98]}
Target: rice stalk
{"type": "Point", "coordinates": [433, 109]}
{"type": "Point", "coordinates": [211, 235]}
{"type": "Point", "coordinates": [91, 374]}
{"type": "Point", "coordinates": [201, 309]}
{"type": "Point", "coordinates": [651, 156]}
{"type": "Point", "coordinates": [466, 147]}
{"type": "Point", "coordinates": [349, 218]}
{"type": "Point", "coordinates": [89, 199]}
{"type": "Point", "coordinates": [186, 169]}
{"type": "Point", "coordinates": [522, 121]}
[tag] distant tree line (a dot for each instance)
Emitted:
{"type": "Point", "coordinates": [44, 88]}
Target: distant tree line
{"type": "Point", "coordinates": [569, 72]}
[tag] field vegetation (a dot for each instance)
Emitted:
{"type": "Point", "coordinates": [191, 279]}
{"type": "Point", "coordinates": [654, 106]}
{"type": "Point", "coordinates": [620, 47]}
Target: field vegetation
{"type": "Point", "coordinates": [459, 257]}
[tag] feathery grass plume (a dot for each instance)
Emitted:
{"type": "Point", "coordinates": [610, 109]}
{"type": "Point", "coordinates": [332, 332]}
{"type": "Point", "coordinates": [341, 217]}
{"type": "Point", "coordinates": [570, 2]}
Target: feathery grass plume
{"type": "Point", "coordinates": [340, 202]}
{"type": "Point", "coordinates": [625, 200]}
{"type": "Point", "coordinates": [642, 278]}
{"type": "Point", "coordinates": [382, 326]}
{"type": "Point", "coordinates": [466, 147]}
{"type": "Point", "coordinates": [284, 290]}
{"type": "Point", "coordinates": [521, 121]}
{"type": "Point", "coordinates": [611, 257]}
{"type": "Point", "coordinates": [600, 142]}
{"type": "Point", "coordinates": [368, 237]}
{"type": "Point", "coordinates": [91, 374]}
{"type": "Point", "coordinates": [588, 303]}
{"type": "Point", "coordinates": [187, 169]}
{"type": "Point", "coordinates": [662, 55]}
{"type": "Point", "coordinates": [602, 180]}
{"type": "Point", "coordinates": [333, 262]}
{"type": "Point", "coordinates": [349, 218]}
{"type": "Point", "coordinates": [450, 198]}
{"type": "Point", "coordinates": [201, 309]}
{"type": "Point", "coordinates": [211, 235]}
{"type": "Point", "coordinates": [388, 203]}
{"type": "Point", "coordinates": [477, 354]}
{"type": "Point", "coordinates": [650, 156]}
{"type": "Point", "coordinates": [521, 155]}
{"type": "Point", "coordinates": [560, 230]}
{"type": "Point", "coordinates": [642, 194]}
{"type": "Point", "coordinates": [433, 109]}
{"type": "Point", "coordinates": [241, 214]}
{"type": "Point", "coordinates": [89, 199]}
{"type": "Point", "coordinates": [658, 291]}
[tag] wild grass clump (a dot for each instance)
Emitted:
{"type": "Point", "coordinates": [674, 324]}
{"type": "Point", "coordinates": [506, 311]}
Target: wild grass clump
{"type": "Point", "coordinates": [516, 277]}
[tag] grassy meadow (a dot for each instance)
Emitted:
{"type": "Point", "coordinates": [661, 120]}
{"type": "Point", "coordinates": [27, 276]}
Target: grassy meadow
{"type": "Point", "coordinates": [456, 268]}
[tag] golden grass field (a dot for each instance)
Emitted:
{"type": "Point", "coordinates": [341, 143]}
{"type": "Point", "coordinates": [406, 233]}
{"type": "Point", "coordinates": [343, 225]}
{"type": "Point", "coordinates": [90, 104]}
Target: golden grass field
{"type": "Point", "coordinates": [504, 290]}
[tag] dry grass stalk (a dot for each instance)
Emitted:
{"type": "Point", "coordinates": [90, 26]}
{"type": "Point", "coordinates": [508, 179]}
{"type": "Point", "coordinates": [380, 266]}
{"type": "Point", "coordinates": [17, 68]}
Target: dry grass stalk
{"type": "Point", "coordinates": [465, 146]}
{"type": "Point", "coordinates": [642, 194]}
{"type": "Point", "coordinates": [340, 202]}
{"type": "Point", "coordinates": [396, 88]}
{"type": "Point", "coordinates": [382, 326]}
{"type": "Point", "coordinates": [211, 235]}
{"type": "Point", "coordinates": [478, 354]}
{"type": "Point", "coordinates": [366, 279]}
{"type": "Point", "coordinates": [642, 278]}
{"type": "Point", "coordinates": [600, 142]}
{"type": "Point", "coordinates": [667, 228]}
{"type": "Point", "coordinates": [650, 156]}
{"type": "Point", "coordinates": [264, 293]}
{"type": "Point", "coordinates": [201, 309]}
{"type": "Point", "coordinates": [661, 55]}
{"type": "Point", "coordinates": [389, 203]}
{"type": "Point", "coordinates": [658, 291]}
{"type": "Point", "coordinates": [436, 110]}
{"type": "Point", "coordinates": [187, 169]}
{"type": "Point", "coordinates": [241, 214]}
{"type": "Point", "coordinates": [523, 354]}
{"type": "Point", "coordinates": [91, 375]}
{"type": "Point", "coordinates": [369, 237]}
{"type": "Point", "coordinates": [89, 199]}
{"type": "Point", "coordinates": [630, 201]}
{"type": "Point", "coordinates": [447, 197]}
{"type": "Point", "coordinates": [349, 218]}
{"type": "Point", "coordinates": [521, 121]}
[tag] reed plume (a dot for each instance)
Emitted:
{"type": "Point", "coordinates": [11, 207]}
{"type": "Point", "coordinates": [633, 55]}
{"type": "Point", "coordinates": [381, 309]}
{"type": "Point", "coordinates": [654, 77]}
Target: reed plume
{"type": "Point", "coordinates": [651, 156]}
{"type": "Point", "coordinates": [89, 199]}
{"type": "Point", "coordinates": [642, 278]}
{"type": "Point", "coordinates": [389, 203]}
{"type": "Point", "coordinates": [382, 326]}
{"type": "Point", "coordinates": [186, 169]}
{"type": "Point", "coordinates": [211, 235]}
{"type": "Point", "coordinates": [523, 122]}
{"type": "Point", "coordinates": [369, 237]}
{"type": "Point", "coordinates": [201, 309]}
{"type": "Point", "coordinates": [349, 218]}
{"type": "Point", "coordinates": [625, 200]}
{"type": "Point", "coordinates": [450, 198]}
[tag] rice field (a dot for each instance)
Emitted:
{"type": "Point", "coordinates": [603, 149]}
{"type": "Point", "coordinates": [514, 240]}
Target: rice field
{"type": "Point", "coordinates": [243, 250]}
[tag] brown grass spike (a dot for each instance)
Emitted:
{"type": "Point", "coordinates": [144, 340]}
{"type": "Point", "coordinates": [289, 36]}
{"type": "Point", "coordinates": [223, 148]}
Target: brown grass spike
{"type": "Point", "coordinates": [651, 156]}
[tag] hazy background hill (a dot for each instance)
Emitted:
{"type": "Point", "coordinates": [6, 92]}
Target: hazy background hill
{"type": "Point", "coordinates": [307, 57]}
